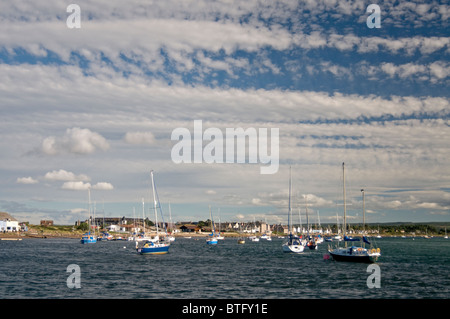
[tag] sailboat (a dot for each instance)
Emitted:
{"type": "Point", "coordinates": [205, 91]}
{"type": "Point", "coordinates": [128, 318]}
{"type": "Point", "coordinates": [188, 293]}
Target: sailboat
{"type": "Point", "coordinates": [254, 238]}
{"type": "Point", "coordinates": [293, 245]}
{"type": "Point", "coordinates": [212, 239]}
{"type": "Point", "coordinates": [352, 253]}
{"type": "Point", "coordinates": [241, 239]}
{"type": "Point", "coordinates": [89, 238]}
{"type": "Point", "coordinates": [158, 245]}
{"type": "Point", "coordinates": [171, 237]}
{"type": "Point", "coordinates": [266, 235]}
{"type": "Point", "coordinates": [142, 236]}
{"type": "Point", "coordinates": [219, 235]}
{"type": "Point", "coordinates": [311, 242]}
{"type": "Point", "coordinates": [446, 237]}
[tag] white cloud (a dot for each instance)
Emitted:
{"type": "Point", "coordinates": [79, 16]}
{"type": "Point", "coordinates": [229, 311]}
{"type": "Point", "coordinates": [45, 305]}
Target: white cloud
{"type": "Point", "coordinates": [63, 175]}
{"type": "Point", "coordinates": [26, 180]}
{"type": "Point", "coordinates": [76, 186]}
{"type": "Point", "coordinates": [103, 186]}
{"type": "Point", "coordinates": [79, 185]}
{"type": "Point", "coordinates": [75, 140]}
{"type": "Point", "coordinates": [78, 210]}
{"type": "Point", "coordinates": [140, 138]}
{"type": "Point", "coordinates": [436, 71]}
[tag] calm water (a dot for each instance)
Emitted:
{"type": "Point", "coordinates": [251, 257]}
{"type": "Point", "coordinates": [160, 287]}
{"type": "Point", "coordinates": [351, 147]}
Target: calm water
{"type": "Point", "coordinates": [37, 268]}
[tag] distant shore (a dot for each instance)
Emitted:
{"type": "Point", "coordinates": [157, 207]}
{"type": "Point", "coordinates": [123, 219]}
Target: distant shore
{"type": "Point", "coordinates": [70, 231]}
{"type": "Point", "coordinates": [51, 233]}
{"type": "Point", "coordinates": [78, 235]}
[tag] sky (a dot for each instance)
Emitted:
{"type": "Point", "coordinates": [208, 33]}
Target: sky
{"type": "Point", "coordinates": [94, 105]}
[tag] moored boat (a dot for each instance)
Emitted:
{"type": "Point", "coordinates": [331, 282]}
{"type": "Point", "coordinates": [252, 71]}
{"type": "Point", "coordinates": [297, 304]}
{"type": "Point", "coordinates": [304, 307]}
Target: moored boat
{"type": "Point", "coordinates": [353, 253]}
{"type": "Point", "coordinates": [293, 245]}
{"type": "Point", "coordinates": [89, 238]}
{"type": "Point", "coordinates": [157, 246]}
{"type": "Point", "coordinates": [212, 238]}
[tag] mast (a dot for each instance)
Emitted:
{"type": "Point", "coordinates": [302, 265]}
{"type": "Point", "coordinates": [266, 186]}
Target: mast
{"type": "Point", "coordinates": [307, 216]}
{"type": "Point", "coordinates": [337, 224]}
{"type": "Point", "coordinates": [103, 203]}
{"type": "Point", "coordinates": [345, 206]}
{"type": "Point", "coordinates": [143, 216]}
{"type": "Point", "coordinates": [300, 220]}
{"type": "Point", "coordinates": [318, 219]}
{"type": "Point", "coordinates": [170, 218]}
{"type": "Point", "coordinates": [364, 210]}
{"type": "Point", "coordinates": [89, 209]}
{"type": "Point", "coordinates": [154, 201]}
{"type": "Point", "coordinates": [210, 217]}
{"type": "Point", "coordinates": [134, 223]}
{"type": "Point", "coordinates": [95, 222]}
{"type": "Point", "coordinates": [289, 213]}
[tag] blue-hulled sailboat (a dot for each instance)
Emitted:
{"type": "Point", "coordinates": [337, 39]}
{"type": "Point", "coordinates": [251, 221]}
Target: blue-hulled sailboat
{"type": "Point", "coordinates": [157, 246]}
{"type": "Point", "coordinates": [212, 239]}
{"type": "Point", "coordinates": [89, 238]}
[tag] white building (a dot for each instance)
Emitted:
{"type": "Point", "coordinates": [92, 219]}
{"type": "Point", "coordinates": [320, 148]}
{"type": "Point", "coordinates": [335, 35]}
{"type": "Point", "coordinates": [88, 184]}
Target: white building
{"type": "Point", "coordinates": [8, 225]}
{"type": "Point", "coordinates": [115, 228]}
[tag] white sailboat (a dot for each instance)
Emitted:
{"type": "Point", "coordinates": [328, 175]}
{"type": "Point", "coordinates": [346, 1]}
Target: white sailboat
{"type": "Point", "coordinates": [338, 236]}
{"type": "Point", "coordinates": [352, 253]}
{"type": "Point", "coordinates": [254, 238]}
{"type": "Point", "coordinates": [266, 235]}
{"type": "Point", "coordinates": [310, 240]}
{"type": "Point", "coordinates": [171, 237]}
{"type": "Point", "coordinates": [293, 245]}
{"type": "Point", "coordinates": [446, 237]}
{"type": "Point", "coordinates": [143, 236]}
{"type": "Point", "coordinates": [219, 234]}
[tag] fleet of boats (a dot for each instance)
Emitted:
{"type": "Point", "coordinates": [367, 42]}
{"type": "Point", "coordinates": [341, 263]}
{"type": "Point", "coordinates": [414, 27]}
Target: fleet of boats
{"type": "Point", "coordinates": [296, 243]}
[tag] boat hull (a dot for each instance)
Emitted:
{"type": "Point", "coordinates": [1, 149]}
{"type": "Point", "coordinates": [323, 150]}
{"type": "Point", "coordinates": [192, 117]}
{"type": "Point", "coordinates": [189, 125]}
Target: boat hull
{"type": "Point", "coordinates": [358, 258]}
{"type": "Point", "coordinates": [154, 250]}
{"type": "Point", "coordinates": [89, 239]}
{"type": "Point", "coordinates": [293, 248]}
{"type": "Point", "coordinates": [211, 242]}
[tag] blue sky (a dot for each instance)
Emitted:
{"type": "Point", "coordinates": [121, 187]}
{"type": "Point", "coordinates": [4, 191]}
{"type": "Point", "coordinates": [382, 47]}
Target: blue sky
{"type": "Point", "coordinates": [96, 105]}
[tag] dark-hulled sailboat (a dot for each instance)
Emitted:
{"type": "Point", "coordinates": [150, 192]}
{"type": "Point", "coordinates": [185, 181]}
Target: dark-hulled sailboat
{"type": "Point", "coordinates": [350, 252]}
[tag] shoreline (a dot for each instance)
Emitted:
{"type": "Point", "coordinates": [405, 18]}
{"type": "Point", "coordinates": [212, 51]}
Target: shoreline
{"type": "Point", "coordinates": [55, 234]}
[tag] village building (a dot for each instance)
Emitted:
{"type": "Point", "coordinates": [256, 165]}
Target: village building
{"type": "Point", "coordinates": [8, 223]}
{"type": "Point", "coordinates": [46, 223]}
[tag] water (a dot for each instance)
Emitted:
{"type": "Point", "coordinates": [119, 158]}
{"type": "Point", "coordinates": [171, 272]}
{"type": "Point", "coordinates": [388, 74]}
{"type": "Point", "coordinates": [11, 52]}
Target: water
{"type": "Point", "coordinates": [37, 268]}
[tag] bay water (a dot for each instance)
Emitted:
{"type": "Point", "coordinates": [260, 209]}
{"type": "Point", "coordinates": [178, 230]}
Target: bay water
{"type": "Point", "coordinates": [38, 269]}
